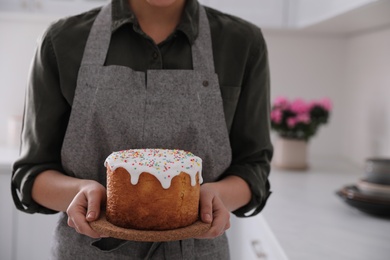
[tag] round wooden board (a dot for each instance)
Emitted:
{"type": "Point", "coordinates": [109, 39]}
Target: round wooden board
{"type": "Point", "coordinates": [104, 227]}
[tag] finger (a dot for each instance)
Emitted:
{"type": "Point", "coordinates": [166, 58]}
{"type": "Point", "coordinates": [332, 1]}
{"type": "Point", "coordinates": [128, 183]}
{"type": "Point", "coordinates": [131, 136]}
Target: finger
{"type": "Point", "coordinates": [82, 226]}
{"type": "Point", "coordinates": [74, 209]}
{"type": "Point", "coordinates": [94, 204]}
{"type": "Point", "coordinates": [70, 223]}
{"type": "Point", "coordinates": [227, 226]}
{"type": "Point", "coordinates": [218, 227]}
{"type": "Point", "coordinates": [76, 217]}
{"type": "Point", "coordinates": [213, 232]}
{"type": "Point", "coordinates": [206, 207]}
{"type": "Point", "coordinates": [220, 224]}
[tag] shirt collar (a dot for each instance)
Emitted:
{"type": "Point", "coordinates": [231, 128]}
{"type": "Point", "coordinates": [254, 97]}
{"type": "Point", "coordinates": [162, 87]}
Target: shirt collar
{"type": "Point", "coordinates": [122, 14]}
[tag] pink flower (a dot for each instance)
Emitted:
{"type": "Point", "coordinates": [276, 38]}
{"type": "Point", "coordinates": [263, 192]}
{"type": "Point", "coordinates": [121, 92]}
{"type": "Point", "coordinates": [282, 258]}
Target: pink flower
{"type": "Point", "coordinates": [299, 106]}
{"type": "Point", "coordinates": [299, 118]}
{"type": "Point", "coordinates": [303, 118]}
{"type": "Point", "coordinates": [281, 102]}
{"type": "Point", "coordinates": [326, 103]}
{"type": "Point", "coordinates": [291, 122]}
{"type": "Point", "coordinates": [276, 116]}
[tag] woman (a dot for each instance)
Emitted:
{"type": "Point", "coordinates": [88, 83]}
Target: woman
{"type": "Point", "coordinates": [140, 74]}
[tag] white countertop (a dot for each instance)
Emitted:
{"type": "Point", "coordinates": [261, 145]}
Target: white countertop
{"type": "Point", "coordinates": [312, 223]}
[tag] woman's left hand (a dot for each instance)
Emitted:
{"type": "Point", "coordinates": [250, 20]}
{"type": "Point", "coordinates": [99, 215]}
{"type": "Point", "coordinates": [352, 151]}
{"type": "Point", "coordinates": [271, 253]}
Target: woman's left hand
{"type": "Point", "coordinates": [213, 210]}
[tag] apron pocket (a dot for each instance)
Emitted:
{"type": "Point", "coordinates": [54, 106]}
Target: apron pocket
{"type": "Point", "coordinates": [108, 244]}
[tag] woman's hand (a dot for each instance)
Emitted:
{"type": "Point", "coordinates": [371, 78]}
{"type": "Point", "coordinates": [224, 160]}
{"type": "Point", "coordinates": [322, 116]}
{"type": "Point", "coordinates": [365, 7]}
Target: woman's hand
{"type": "Point", "coordinates": [85, 207]}
{"type": "Point", "coordinates": [80, 198]}
{"type": "Point", "coordinates": [213, 210]}
{"type": "Point", "coordinates": [218, 199]}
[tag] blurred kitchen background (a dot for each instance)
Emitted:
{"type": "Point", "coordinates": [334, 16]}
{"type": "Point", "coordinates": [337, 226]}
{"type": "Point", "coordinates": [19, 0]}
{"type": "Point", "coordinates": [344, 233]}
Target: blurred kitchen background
{"type": "Point", "coordinates": [338, 49]}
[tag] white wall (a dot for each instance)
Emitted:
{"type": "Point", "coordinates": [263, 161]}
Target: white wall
{"type": "Point", "coordinates": [366, 96]}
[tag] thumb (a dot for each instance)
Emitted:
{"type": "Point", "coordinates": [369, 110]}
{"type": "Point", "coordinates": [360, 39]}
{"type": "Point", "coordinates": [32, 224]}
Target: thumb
{"type": "Point", "coordinates": [93, 210]}
{"type": "Point", "coordinates": [206, 207]}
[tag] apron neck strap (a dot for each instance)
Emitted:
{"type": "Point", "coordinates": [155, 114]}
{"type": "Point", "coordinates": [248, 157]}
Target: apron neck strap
{"type": "Point", "coordinates": [202, 51]}
{"type": "Point", "coordinates": [98, 42]}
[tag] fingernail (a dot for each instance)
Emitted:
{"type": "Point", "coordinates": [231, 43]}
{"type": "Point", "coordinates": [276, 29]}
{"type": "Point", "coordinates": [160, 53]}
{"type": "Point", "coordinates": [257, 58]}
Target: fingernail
{"type": "Point", "coordinates": [207, 217]}
{"type": "Point", "coordinates": [103, 236]}
{"type": "Point", "coordinates": [91, 215]}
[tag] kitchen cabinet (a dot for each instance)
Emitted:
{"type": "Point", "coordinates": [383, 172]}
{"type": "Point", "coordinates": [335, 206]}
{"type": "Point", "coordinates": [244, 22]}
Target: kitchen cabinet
{"type": "Point", "coordinates": [52, 7]}
{"type": "Point", "coordinates": [7, 216]}
{"type": "Point", "coordinates": [252, 239]}
{"type": "Point", "coordinates": [283, 14]}
{"type": "Point", "coordinates": [22, 236]}
{"type": "Point", "coordinates": [264, 13]}
{"type": "Point", "coordinates": [303, 13]}
{"type": "Point", "coordinates": [33, 235]}
{"type": "Point", "coordinates": [269, 13]}
{"type": "Point", "coordinates": [288, 14]}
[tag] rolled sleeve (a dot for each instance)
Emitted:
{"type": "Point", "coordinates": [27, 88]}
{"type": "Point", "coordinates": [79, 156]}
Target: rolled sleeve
{"type": "Point", "coordinates": [45, 119]}
{"type": "Point", "coordinates": [21, 186]}
{"type": "Point", "coordinates": [250, 131]}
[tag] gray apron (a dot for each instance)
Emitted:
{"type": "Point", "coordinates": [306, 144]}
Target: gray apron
{"type": "Point", "coordinates": [116, 108]}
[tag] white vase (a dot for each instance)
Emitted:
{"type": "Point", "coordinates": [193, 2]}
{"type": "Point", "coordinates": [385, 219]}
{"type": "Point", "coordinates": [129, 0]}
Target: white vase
{"type": "Point", "coordinates": [290, 154]}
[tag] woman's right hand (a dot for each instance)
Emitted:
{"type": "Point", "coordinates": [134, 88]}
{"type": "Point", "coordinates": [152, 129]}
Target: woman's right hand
{"type": "Point", "coordinates": [85, 207]}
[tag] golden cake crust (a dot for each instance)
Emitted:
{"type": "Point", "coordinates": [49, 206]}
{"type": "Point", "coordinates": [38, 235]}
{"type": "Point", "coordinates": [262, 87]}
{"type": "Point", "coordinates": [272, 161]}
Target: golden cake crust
{"type": "Point", "coordinates": [147, 205]}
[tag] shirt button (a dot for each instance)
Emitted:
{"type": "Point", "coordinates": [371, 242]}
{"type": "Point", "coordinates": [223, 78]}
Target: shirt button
{"type": "Point", "coordinates": [155, 55]}
{"type": "Point", "coordinates": [205, 83]}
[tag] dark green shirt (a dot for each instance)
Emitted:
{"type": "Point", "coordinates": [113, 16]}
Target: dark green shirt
{"type": "Point", "coordinates": [240, 57]}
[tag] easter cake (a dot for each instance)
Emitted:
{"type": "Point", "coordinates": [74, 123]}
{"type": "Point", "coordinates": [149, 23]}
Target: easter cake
{"type": "Point", "coordinates": [153, 189]}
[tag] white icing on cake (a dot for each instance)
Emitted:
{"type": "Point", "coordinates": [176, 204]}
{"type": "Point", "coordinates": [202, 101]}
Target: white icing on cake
{"type": "Point", "coordinates": [164, 164]}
